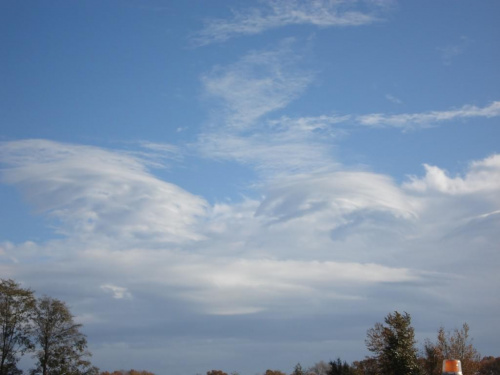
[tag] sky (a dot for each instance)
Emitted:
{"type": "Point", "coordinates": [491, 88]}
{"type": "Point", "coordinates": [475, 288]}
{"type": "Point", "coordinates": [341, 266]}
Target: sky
{"type": "Point", "coordinates": [244, 185]}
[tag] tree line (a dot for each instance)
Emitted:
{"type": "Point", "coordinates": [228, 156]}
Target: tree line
{"type": "Point", "coordinates": [44, 327]}
{"type": "Point", "coordinates": [394, 351]}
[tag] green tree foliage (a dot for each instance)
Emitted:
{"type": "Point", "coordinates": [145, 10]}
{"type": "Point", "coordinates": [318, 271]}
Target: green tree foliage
{"type": "Point", "coordinates": [394, 345]}
{"type": "Point", "coordinates": [340, 368]}
{"type": "Point", "coordinates": [489, 366]}
{"type": "Point", "coordinates": [451, 345]}
{"type": "Point", "coordinates": [16, 307]}
{"type": "Point", "coordinates": [62, 348]}
{"type": "Point", "coordinates": [216, 372]}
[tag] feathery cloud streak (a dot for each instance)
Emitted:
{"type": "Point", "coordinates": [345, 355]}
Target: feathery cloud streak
{"type": "Point", "coordinates": [405, 121]}
{"type": "Point", "coordinates": [264, 82]}
{"type": "Point", "coordinates": [424, 119]}
{"type": "Point", "coordinates": [279, 13]}
{"type": "Point", "coordinates": [259, 83]}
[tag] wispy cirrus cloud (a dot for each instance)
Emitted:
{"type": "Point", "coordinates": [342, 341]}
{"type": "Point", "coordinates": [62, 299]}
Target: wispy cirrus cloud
{"type": "Point", "coordinates": [275, 147]}
{"type": "Point", "coordinates": [424, 119]}
{"type": "Point", "coordinates": [259, 83]}
{"type": "Point", "coordinates": [451, 51]}
{"type": "Point", "coordinates": [328, 123]}
{"type": "Point", "coordinates": [287, 144]}
{"type": "Point", "coordinates": [278, 13]}
{"type": "Point", "coordinates": [393, 99]}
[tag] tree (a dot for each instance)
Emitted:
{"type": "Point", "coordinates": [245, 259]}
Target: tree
{"type": "Point", "coordinates": [340, 368]}
{"type": "Point", "coordinates": [216, 372]}
{"type": "Point", "coordinates": [274, 372]}
{"type": "Point", "coordinates": [16, 308]}
{"type": "Point", "coordinates": [432, 360]}
{"type": "Point", "coordinates": [367, 366]}
{"type": "Point", "coordinates": [451, 345]}
{"type": "Point", "coordinates": [394, 345]}
{"type": "Point", "coordinates": [297, 370]}
{"type": "Point", "coordinates": [62, 348]}
{"type": "Point", "coordinates": [320, 368]}
{"type": "Point", "coordinates": [489, 366]}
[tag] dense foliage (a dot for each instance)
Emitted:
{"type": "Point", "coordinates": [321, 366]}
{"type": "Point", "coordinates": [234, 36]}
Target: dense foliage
{"type": "Point", "coordinates": [489, 366]}
{"type": "Point", "coordinates": [340, 368]}
{"type": "Point", "coordinates": [394, 345]}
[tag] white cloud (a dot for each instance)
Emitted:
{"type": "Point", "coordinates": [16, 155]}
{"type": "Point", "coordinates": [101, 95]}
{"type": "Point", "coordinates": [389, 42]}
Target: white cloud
{"type": "Point", "coordinates": [338, 193]}
{"type": "Point", "coordinates": [323, 243]}
{"type": "Point", "coordinates": [273, 152]}
{"type": "Point", "coordinates": [279, 13]}
{"type": "Point", "coordinates": [416, 120]}
{"type": "Point", "coordinates": [318, 123]}
{"type": "Point", "coordinates": [259, 83]}
{"type": "Point", "coordinates": [118, 292]}
{"type": "Point", "coordinates": [252, 285]}
{"type": "Point", "coordinates": [95, 193]}
{"type": "Point", "coordinates": [266, 81]}
{"type": "Point", "coordinates": [483, 177]}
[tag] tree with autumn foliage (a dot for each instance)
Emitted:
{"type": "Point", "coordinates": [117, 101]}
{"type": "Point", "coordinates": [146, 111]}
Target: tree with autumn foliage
{"type": "Point", "coordinates": [451, 345]}
{"type": "Point", "coordinates": [489, 366]}
{"type": "Point", "coordinates": [61, 347]}
{"type": "Point", "coordinates": [367, 366]}
{"type": "Point", "coordinates": [274, 372]}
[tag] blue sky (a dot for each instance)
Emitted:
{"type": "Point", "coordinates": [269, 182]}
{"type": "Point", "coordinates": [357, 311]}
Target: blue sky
{"type": "Point", "coordinates": [247, 185]}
